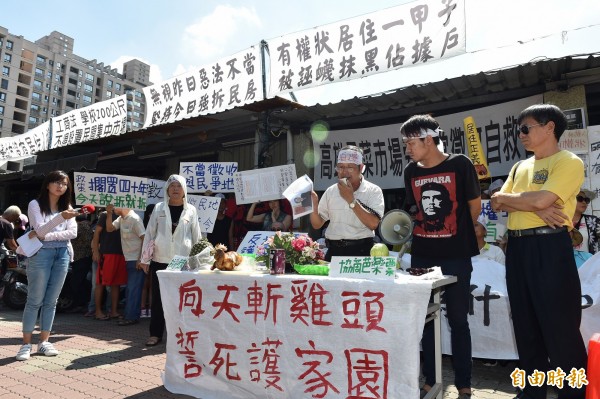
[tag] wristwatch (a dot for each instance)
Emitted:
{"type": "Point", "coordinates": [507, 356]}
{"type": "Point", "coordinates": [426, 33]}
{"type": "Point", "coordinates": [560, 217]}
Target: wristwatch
{"type": "Point", "coordinates": [352, 204]}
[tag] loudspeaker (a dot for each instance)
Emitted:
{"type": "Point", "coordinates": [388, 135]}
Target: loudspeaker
{"type": "Point", "coordinates": [395, 227]}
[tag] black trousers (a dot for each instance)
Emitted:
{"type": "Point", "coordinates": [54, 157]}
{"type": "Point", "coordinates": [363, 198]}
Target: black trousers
{"type": "Point", "coordinates": [363, 249]}
{"type": "Point", "coordinates": [456, 299]}
{"type": "Point", "coordinates": [544, 292]}
{"type": "Point", "coordinates": [157, 319]}
{"type": "Point", "coordinates": [79, 284]}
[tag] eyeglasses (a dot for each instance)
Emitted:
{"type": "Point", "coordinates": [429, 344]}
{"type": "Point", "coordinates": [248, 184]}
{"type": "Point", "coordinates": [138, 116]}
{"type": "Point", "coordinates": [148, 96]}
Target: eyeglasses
{"type": "Point", "coordinates": [581, 198]}
{"type": "Point", "coordinates": [60, 184]}
{"type": "Point", "coordinates": [342, 168]}
{"type": "Point", "coordinates": [525, 128]}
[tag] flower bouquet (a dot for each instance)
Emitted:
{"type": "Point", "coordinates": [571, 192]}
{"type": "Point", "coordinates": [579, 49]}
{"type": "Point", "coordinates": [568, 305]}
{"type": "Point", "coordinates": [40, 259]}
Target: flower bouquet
{"type": "Point", "coordinates": [299, 249]}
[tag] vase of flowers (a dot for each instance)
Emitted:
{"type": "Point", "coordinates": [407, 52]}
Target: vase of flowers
{"type": "Point", "coordinates": [299, 249]}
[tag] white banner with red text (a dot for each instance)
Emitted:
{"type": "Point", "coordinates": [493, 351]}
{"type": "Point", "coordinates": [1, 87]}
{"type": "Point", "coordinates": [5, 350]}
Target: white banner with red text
{"type": "Point", "coordinates": [291, 336]}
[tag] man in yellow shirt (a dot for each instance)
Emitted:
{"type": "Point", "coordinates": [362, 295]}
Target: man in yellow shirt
{"type": "Point", "coordinates": [541, 276]}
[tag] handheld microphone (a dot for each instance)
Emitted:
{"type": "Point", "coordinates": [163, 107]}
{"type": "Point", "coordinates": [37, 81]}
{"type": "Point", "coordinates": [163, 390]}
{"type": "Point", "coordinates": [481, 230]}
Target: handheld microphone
{"type": "Point", "coordinates": [86, 209]}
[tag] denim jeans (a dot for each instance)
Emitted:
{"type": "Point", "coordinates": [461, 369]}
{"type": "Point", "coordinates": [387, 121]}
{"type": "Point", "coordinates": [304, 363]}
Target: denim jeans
{"type": "Point", "coordinates": [46, 273]}
{"type": "Point", "coordinates": [133, 292]}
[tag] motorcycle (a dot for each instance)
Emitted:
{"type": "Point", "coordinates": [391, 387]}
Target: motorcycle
{"type": "Point", "coordinates": [13, 287]}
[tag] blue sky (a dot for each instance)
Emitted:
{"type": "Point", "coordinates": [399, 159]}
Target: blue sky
{"type": "Point", "coordinates": [179, 35]}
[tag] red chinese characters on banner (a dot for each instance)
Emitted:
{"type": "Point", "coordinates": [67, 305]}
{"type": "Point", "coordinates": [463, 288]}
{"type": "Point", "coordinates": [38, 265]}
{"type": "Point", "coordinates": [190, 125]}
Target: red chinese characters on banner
{"type": "Point", "coordinates": [186, 341]}
{"type": "Point", "coordinates": [225, 305]}
{"type": "Point", "coordinates": [316, 375]}
{"type": "Point", "coordinates": [219, 361]}
{"type": "Point", "coordinates": [373, 310]}
{"type": "Point", "coordinates": [270, 361]}
{"type": "Point", "coordinates": [309, 301]}
{"type": "Point", "coordinates": [368, 374]}
{"type": "Point", "coordinates": [190, 296]}
{"type": "Point", "coordinates": [256, 301]}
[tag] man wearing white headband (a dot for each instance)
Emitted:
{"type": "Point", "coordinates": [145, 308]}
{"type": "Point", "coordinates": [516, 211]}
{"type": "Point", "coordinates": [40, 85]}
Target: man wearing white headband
{"type": "Point", "coordinates": [353, 206]}
{"type": "Point", "coordinates": [445, 190]}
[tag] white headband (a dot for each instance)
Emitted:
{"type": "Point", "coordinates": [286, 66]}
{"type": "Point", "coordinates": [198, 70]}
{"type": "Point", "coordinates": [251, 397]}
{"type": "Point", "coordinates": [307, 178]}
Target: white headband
{"type": "Point", "coordinates": [350, 156]}
{"type": "Point", "coordinates": [424, 133]}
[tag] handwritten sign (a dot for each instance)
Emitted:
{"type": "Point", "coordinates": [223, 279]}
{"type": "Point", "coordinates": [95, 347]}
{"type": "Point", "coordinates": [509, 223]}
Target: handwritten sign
{"type": "Point", "coordinates": [397, 37]}
{"type": "Point", "coordinates": [263, 184]}
{"type": "Point", "coordinates": [230, 82]}
{"type": "Point", "coordinates": [103, 119]}
{"type": "Point", "coordinates": [100, 190]}
{"type": "Point", "coordinates": [203, 176]}
{"type": "Point", "coordinates": [208, 209]}
{"type": "Point", "coordinates": [370, 267]}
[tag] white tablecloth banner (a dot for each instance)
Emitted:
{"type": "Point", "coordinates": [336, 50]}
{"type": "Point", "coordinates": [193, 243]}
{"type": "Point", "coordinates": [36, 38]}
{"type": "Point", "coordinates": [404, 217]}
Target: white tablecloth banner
{"type": "Point", "coordinates": [240, 336]}
{"type": "Point", "coordinates": [490, 321]}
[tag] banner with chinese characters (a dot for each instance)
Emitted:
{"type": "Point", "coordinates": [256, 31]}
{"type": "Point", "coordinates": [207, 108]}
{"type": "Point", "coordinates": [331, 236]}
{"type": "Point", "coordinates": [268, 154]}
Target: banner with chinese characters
{"type": "Point", "coordinates": [495, 222]}
{"type": "Point", "coordinates": [413, 34]}
{"type": "Point", "coordinates": [103, 119]}
{"type": "Point", "coordinates": [25, 145]}
{"type": "Point", "coordinates": [207, 209]}
{"type": "Point", "coordinates": [100, 190]}
{"type": "Point", "coordinates": [204, 176]}
{"type": "Point", "coordinates": [230, 82]}
{"type": "Point", "coordinates": [262, 184]}
{"type": "Point", "coordinates": [156, 190]}
{"type": "Point", "coordinates": [384, 156]}
{"type": "Point", "coordinates": [258, 336]}
{"type": "Point", "coordinates": [370, 267]}
{"type": "Point", "coordinates": [489, 319]}
{"type": "Point", "coordinates": [594, 166]}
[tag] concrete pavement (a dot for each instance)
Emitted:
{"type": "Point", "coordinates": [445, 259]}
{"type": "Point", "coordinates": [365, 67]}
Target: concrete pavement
{"type": "Point", "coordinates": [100, 359]}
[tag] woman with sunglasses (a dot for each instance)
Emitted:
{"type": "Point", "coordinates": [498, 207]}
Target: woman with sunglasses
{"type": "Point", "coordinates": [53, 222]}
{"type": "Point", "coordinates": [588, 225]}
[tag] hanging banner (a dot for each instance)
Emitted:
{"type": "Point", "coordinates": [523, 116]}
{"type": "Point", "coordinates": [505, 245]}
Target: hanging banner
{"type": "Point", "coordinates": [25, 145]}
{"type": "Point", "coordinates": [384, 156]}
{"type": "Point", "coordinates": [412, 34]}
{"type": "Point", "coordinates": [475, 151]}
{"type": "Point", "coordinates": [204, 176]}
{"type": "Point", "coordinates": [230, 82]}
{"type": "Point", "coordinates": [103, 119]}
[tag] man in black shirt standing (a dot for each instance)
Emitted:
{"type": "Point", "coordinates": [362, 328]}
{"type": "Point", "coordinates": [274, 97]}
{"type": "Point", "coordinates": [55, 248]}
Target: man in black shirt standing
{"type": "Point", "coordinates": [445, 191]}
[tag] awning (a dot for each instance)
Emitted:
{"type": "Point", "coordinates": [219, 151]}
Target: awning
{"type": "Point", "coordinates": [80, 162]}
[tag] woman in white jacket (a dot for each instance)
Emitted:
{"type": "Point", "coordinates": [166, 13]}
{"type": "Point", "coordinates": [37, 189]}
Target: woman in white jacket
{"type": "Point", "coordinates": [173, 229]}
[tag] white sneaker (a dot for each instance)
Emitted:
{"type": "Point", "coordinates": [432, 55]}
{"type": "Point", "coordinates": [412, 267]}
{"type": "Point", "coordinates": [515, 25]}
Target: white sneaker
{"type": "Point", "coordinates": [47, 349]}
{"type": "Point", "coordinates": [25, 352]}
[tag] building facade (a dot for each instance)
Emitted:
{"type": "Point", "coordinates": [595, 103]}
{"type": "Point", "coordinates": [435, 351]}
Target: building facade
{"type": "Point", "coordinates": [43, 79]}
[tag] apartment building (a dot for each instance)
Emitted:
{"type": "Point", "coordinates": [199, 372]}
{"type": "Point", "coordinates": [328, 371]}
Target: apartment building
{"type": "Point", "coordinates": [44, 78]}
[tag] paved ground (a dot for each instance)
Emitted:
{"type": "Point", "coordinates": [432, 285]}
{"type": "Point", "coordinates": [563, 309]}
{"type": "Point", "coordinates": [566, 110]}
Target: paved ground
{"type": "Point", "coordinates": [102, 360]}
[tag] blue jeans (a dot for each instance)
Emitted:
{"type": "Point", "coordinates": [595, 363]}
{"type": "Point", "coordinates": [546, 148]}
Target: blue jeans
{"type": "Point", "coordinates": [46, 273]}
{"type": "Point", "coordinates": [133, 292]}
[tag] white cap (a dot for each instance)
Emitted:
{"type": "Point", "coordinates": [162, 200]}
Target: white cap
{"type": "Point", "coordinates": [495, 185]}
{"type": "Point", "coordinates": [220, 195]}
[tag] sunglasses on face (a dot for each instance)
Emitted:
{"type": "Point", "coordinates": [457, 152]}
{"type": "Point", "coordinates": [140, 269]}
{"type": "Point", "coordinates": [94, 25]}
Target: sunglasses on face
{"type": "Point", "coordinates": [525, 128]}
{"type": "Point", "coordinates": [581, 198]}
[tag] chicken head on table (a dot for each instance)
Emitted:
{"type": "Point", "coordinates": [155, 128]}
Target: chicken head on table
{"type": "Point", "coordinates": [225, 260]}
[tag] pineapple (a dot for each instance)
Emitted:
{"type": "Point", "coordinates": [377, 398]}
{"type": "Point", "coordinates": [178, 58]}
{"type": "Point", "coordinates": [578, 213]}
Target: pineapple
{"type": "Point", "coordinates": [200, 246]}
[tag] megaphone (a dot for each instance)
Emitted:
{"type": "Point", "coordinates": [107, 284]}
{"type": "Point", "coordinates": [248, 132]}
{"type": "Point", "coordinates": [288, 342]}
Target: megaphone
{"type": "Point", "coordinates": [395, 227]}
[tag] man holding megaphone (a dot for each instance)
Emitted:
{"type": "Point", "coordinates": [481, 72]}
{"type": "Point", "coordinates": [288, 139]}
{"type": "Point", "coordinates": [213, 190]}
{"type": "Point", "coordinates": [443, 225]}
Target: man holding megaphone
{"type": "Point", "coordinates": [444, 189]}
{"type": "Point", "coordinates": [353, 207]}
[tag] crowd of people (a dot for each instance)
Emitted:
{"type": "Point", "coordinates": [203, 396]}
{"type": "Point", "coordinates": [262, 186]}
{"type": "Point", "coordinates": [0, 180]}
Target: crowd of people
{"type": "Point", "coordinates": [542, 196]}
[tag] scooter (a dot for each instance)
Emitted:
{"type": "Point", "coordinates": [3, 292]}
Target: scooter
{"type": "Point", "coordinates": [13, 287]}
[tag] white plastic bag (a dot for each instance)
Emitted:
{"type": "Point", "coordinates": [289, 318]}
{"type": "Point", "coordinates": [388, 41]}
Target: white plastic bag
{"type": "Point", "coordinates": [202, 261]}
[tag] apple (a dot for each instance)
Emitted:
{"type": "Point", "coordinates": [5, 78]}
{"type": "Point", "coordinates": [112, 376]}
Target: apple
{"type": "Point", "coordinates": [380, 249]}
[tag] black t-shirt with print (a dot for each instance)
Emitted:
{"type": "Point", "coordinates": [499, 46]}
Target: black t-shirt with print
{"type": "Point", "coordinates": [443, 225]}
{"type": "Point", "coordinates": [176, 211]}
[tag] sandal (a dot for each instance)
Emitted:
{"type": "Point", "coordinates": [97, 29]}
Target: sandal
{"type": "Point", "coordinates": [153, 341]}
{"type": "Point", "coordinates": [126, 322]}
{"type": "Point", "coordinates": [102, 318]}
{"type": "Point", "coordinates": [117, 316]}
